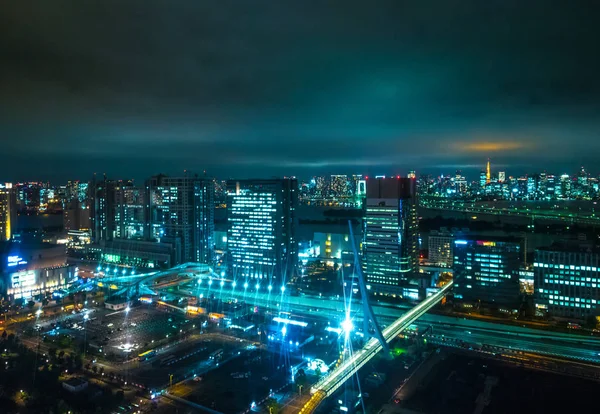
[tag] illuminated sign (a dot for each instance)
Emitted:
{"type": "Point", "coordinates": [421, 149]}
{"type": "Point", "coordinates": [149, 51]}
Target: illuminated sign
{"type": "Point", "coordinates": [461, 242]}
{"type": "Point", "coordinates": [15, 260]}
{"type": "Point", "coordinates": [486, 243]}
{"type": "Point", "coordinates": [23, 279]}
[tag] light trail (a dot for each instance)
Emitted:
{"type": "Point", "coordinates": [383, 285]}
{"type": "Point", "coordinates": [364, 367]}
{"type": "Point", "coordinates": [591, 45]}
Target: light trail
{"type": "Point", "coordinates": [336, 378]}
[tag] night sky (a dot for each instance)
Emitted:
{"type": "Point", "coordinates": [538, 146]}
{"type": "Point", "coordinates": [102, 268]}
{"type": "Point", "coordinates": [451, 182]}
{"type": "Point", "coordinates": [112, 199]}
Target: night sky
{"type": "Point", "coordinates": [261, 88]}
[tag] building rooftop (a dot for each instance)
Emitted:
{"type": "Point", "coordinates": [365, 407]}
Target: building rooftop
{"type": "Point", "coordinates": [499, 239]}
{"type": "Point", "coordinates": [572, 247]}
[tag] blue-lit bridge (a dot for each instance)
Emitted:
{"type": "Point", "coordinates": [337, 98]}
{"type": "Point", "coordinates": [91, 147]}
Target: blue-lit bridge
{"type": "Point", "coordinates": [336, 378]}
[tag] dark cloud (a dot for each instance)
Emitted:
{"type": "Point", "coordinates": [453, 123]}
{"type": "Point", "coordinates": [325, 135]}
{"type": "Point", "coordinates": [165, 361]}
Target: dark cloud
{"type": "Point", "coordinates": [264, 88]}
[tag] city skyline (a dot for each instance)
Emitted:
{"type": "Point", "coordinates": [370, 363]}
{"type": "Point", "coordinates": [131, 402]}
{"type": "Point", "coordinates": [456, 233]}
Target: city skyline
{"type": "Point", "coordinates": [227, 88]}
{"type": "Point", "coordinates": [299, 208]}
{"type": "Point", "coordinates": [471, 173]}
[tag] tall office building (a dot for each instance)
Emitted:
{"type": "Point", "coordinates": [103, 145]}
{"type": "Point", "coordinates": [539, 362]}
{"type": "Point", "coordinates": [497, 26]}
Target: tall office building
{"type": "Point", "coordinates": [7, 211]}
{"type": "Point", "coordinates": [391, 233]}
{"type": "Point", "coordinates": [487, 271]}
{"type": "Point", "coordinates": [482, 180]}
{"type": "Point", "coordinates": [565, 186]}
{"type": "Point", "coordinates": [567, 281]}
{"type": "Point", "coordinates": [181, 212]}
{"type": "Point", "coordinates": [460, 183]}
{"type": "Point", "coordinates": [261, 229]}
{"type": "Point", "coordinates": [130, 212]}
{"type": "Point", "coordinates": [102, 208]}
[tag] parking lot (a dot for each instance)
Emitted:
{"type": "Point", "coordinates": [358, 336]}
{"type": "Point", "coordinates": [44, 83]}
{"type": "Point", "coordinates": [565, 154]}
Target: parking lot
{"type": "Point", "coordinates": [184, 360]}
{"type": "Point", "coordinates": [123, 335]}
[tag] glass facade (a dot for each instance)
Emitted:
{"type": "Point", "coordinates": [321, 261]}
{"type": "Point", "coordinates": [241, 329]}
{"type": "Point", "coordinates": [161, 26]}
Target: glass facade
{"type": "Point", "coordinates": [487, 271]}
{"type": "Point", "coordinates": [181, 211]}
{"type": "Point", "coordinates": [130, 213]}
{"type": "Point", "coordinates": [261, 229]}
{"type": "Point", "coordinates": [567, 283]}
{"type": "Point", "coordinates": [391, 232]}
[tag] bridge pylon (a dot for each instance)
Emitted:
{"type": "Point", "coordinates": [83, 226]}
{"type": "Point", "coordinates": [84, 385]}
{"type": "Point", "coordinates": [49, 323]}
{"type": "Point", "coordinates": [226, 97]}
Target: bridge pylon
{"type": "Point", "coordinates": [368, 316]}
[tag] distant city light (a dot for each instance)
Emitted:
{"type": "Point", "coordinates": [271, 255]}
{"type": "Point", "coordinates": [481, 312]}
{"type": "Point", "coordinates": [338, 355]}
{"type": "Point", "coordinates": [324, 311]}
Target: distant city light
{"type": "Point", "coordinates": [282, 289]}
{"type": "Point", "coordinates": [246, 285]}
{"type": "Point", "coordinates": [269, 288]}
{"type": "Point", "coordinates": [233, 284]}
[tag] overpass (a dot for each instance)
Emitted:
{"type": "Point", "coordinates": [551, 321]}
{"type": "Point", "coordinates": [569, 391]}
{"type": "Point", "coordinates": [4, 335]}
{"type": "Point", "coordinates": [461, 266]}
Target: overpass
{"type": "Point", "coordinates": [336, 378]}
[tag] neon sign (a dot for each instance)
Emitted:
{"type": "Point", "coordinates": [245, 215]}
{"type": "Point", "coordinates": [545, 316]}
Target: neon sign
{"type": "Point", "coordinates": [15, 260]}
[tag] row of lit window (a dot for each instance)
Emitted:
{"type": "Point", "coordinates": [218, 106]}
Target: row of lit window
{"type": "Point", "coordinates": [568, 267]}
{"type": "Point", "coordinates": [562, 282]}
{"type": "Point", "coordinates": [573, 305]}
{"type": "Point", "coordinates": [573, 278]}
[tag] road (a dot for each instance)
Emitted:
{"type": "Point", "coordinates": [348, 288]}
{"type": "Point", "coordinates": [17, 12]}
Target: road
{"type": "Point", "coordinates": [573, 346]}
{"type": "Point", "coordinates": [543, 345]}
{"type": "Point", "coordinates": [336, 378]}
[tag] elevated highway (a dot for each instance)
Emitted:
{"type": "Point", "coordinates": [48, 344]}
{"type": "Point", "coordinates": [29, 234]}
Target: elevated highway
{"type": "Point", "coordinates": [330, 384]}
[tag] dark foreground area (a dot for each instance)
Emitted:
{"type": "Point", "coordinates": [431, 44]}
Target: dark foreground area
{"type": "Point", "coordinates": [463, 384]}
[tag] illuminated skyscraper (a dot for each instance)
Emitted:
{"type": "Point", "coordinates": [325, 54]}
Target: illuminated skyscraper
{"type": "Point", "coordinates": [565, 186]}
{"type": "Point", "coordinates": [261, 230]}
{"type": "Point", "coordinates": [102, 209]}
{"type": "Point", "coordinates": [391, 233]}
{"type": "Point", "coordinates": [482, 181]}
{"type": "Point", "coordinates": [130, 212]}
{"type": "Point", "coordinates": [487, 271]}
{"type": "Point", "coordinates": [488, 174]}
{"type": "Point", "coordinates": [7, 211]}
{"type": "Point", "coordinates": [181, 212]}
